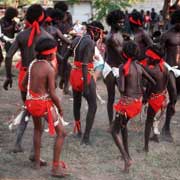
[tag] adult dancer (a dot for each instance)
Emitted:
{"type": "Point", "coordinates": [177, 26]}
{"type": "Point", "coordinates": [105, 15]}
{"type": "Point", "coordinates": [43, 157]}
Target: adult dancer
{"type": "Point", "coordinates": [170, 41]}
{"type": "Point", "coordinates": [9, 27]}
{"type": "Point", "coordinates": [130, 104]}
{"type": "Point", "coordinates": [114, 43]}
{"type": "Point", "coordinates": [82, 79]}
{"type": "Point", "coordinates": [25, 42]}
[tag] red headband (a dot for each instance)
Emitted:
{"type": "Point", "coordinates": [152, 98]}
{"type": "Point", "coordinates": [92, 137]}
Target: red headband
{"type": "Point", "coordinates": [137, 22]}
{"type": "Point", "coordinates": [35, 29]}
{"type": "Point", "coordinates": [155, 56]}
{"type": "Point", "coordinates": [49, 51]}
{"type": "Point", "coordinates": [127, 64]}
{"type": "Point", "coordinates": [48, 19]}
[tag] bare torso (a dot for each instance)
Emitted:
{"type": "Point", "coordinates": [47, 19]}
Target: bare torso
{"type": "Point", "coordinates": [114, 43]}
{"type": "Point", "coordinates": [171, 42]}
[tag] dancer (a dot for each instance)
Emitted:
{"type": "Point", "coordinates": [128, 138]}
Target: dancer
{"type": "Point", "coordinates": [114, 43]}
{"type": "Point", "coordinates": [130, 103]}
{"type": "Point", "coordinates": [25, 41]}
{"type": "Point", "coordinates": [170, 41]}
{"type": "Point", "coordinates": [82, 79]}
{"type": "Point", "coordinates": [155, 94]}
{"type": "Point", "coordinates": [43, 101]}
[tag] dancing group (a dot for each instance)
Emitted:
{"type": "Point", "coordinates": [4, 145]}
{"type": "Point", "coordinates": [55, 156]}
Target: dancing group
{"type": "Point", "coordinates": [144, 72]}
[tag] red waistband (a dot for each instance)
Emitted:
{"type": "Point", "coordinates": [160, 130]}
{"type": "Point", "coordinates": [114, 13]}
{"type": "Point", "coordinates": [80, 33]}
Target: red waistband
{"type": "Point", "coordinates": [80, 64]}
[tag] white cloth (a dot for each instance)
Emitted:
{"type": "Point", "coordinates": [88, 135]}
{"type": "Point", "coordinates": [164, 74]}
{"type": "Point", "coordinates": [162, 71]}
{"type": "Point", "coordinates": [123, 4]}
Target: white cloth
{"type": "Point", "coordinates": [99, 59]}
{"type": "Point", "coordinates": [173, 69]}
{"type": "Point", "coordinates": [107, 69]}
{"type": "Point", "coordinates": [115, 71]}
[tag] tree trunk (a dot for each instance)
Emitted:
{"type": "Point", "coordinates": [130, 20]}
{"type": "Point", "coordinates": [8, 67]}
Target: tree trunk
{"type": "Point", "coordinates": [166, 6]}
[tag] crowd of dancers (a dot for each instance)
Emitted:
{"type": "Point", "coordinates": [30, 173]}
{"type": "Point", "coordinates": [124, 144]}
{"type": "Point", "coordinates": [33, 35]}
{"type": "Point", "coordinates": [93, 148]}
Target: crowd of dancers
{"type": "Point", "coordinates": [143, 65]}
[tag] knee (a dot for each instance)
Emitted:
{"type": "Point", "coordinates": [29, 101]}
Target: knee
{"type": "Point", "coordinates": [171, 109]}
{"type": "Point", "coordinates": [61, 134]}
{"type": "Point", "coordinates": [93, 107]}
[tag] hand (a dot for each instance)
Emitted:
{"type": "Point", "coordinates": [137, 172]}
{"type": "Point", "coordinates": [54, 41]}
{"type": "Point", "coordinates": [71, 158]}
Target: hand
{"type": "Point", "coordinates": [7, 82]}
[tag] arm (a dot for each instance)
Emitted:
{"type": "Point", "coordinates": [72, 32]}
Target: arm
{"type": "Point", "coordinates": [62, 37]}
{"type": "Point", "coordinates": [8, 61]}
{"type": "Point", "coordinates": [25, 81]}
{"type": "Point", "coordinates": [51, 87]}
{"type": "Point", "coordinates": [121, 80]}
{"type": "Point", "coordinates": [8, 64]}
{"type": "Point", "coordinates": [148, 76]}
{"type": "Point", "coordinates": [148, 41]}
{"type": "Point", "coordinates": [88, 54]}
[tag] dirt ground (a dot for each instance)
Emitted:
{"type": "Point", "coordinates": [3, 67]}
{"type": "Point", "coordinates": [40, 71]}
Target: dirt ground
{"type": "Point", "coordinates": [100, 161]}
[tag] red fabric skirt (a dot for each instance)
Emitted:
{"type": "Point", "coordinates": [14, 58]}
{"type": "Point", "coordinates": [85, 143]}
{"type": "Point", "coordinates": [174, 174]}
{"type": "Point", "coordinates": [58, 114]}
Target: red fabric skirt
{"type": "Point", "coordinates": [129, 107]}
{"type": "Point", "coordinates": [21, 76]}
{"type": "Point", "coordinates": [76, 76]}
{"type": "Point", "coordinates": [157, 101]}
{"type": "Point", "coordinates": [39, 108]}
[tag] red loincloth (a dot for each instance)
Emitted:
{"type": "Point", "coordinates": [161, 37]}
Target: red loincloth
{"type": "Point", "coordinates": [22, 73]}
{"type": "Point", "coordinates": [143, 62]}
{"type": "Point", "coordinates": [39, 107]}
{"type": "Point", "coordinates": [76, 76]}
{"type": "Point", "coordinates": [129, 107]}
{"type": "Point", "coordinates": [157, 101]}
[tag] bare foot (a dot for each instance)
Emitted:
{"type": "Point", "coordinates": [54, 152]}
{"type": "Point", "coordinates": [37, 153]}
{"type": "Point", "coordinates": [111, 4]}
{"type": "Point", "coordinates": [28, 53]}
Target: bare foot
{"type": "Point", "coordinates": [59, 172]}
{"type": "Point", "coordinates": [17, 149]}
{"type": "Point", "coordinates": [127, 166]}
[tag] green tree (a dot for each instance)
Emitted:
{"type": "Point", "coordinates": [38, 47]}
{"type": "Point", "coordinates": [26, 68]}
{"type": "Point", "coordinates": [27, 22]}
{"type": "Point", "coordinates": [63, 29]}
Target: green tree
{"type": "Point", "coordinates": [103, 7]}
{"type": "Point", "coordinates": [17, 2]}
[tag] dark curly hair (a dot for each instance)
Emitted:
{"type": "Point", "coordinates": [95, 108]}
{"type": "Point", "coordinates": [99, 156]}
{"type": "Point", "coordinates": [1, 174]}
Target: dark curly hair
{"type": "Point", "coordinates": [136, 16]}
{"type": "Point", "coordinates": [10, 13]}
{"type": "Point", "coordinates": [61, 5]}
{"type": "Point", "coordinates": [96, 24]}
{"type": "Point", "coordinates": [114, 16]}
{"type": "Point", "coordinates": [44, 44]}
{"type": "Point", "coordinates": [34, 12]}
{"type": "Point", "coordinates": [175, 17]}
{"type": "Point", "coordinates": [131, 49]}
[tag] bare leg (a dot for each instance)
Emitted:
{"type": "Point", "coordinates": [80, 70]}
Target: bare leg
{"type": "Point", "coordinates": [37, 140]}
{"type": "Point", "coordinates": [110, 82]}
{"type": "Point", "coordinates": [172, 90]}
{"type": "Point", "coordinates": [124, 133]}
{"type": "Point", "coordinates": [92, 107]}
{"type": "Point", "coordinates": [116, 126]}
{"type": "Point", "coordinates": [76, 111]}
{"type": "Point", "coordinates": [149, 124]}
{"type": "Point", "coordinates": [57, 169]}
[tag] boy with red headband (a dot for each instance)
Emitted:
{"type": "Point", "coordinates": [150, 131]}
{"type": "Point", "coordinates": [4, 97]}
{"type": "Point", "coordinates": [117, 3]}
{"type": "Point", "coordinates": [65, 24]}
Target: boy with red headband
{"type": "Point", "coordinates": [130, 103]}
{"type": "Point", "coordinates": [141, 37]}
{"type": "Point", "coordinates": [42, 101]}
{"type": "Point", "coordinates": [156, 93]}
{"type": "Point", "coordinates": [25, 42]}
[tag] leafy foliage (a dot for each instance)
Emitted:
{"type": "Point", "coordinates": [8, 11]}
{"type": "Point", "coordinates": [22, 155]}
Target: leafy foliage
{"type": "Point", "coordinates": [103, 7]}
